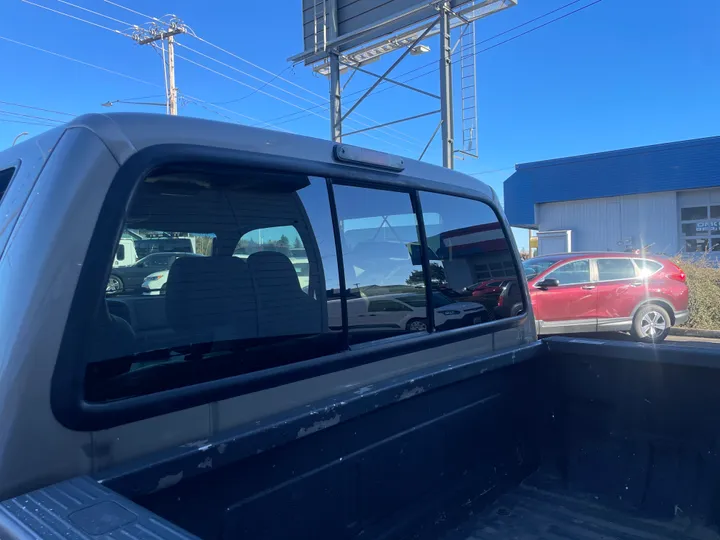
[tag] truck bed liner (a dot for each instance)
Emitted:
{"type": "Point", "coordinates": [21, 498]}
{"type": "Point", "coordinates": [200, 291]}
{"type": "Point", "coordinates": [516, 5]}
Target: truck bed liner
{"type": "Point", "coordinates": [550, 512]}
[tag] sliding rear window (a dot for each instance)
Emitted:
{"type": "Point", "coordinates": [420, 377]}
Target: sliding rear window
{"type": "Point", "coordinates": [236, 271]}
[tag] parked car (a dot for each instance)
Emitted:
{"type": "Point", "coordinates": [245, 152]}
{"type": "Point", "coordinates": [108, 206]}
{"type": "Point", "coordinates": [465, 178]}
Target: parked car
{"type": "Point", "coordinates": [154, 284]}
{"type": "Point", "coordinates": [406, 311]}
{"type": "Point", "coordinates": [131, 278]}
{"type": "Point", "coordinates": [600, 292]}
{"type": "Point", "coordinates": [509, 300]}
{"type": "Point", "coordinates": [487, 288]}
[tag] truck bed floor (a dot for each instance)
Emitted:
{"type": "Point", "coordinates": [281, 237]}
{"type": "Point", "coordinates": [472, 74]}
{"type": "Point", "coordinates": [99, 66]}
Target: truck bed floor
{"type": "Point", "coordinates": [532, 513]}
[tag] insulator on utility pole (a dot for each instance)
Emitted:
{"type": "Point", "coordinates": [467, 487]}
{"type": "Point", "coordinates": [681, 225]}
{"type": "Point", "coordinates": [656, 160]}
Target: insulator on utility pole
{"type": "Point", "coordinates": [156, 33]}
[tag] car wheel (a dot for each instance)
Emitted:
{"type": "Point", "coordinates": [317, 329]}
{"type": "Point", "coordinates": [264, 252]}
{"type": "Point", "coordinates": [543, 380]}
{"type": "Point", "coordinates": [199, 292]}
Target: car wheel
{"type": "Point", "coordinates": [651, 324]}
{"type": "Point", "coordinates": [115, 285]}
{"type": "Point", "coordinates": [417, 325]}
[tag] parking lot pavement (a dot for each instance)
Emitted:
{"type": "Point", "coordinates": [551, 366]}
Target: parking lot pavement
{"type": "Point", "coordinates": [712, 343]}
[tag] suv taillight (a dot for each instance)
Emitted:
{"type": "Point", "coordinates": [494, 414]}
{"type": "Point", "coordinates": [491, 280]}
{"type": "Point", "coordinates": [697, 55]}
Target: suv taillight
{"type": "Point", "coordinates": [678, 276]}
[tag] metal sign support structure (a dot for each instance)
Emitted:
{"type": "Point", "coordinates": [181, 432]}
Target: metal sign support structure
{"type": "Point", "coordinates": [446, 97]}
{"type": "Point", "coordinates": [328, 45]}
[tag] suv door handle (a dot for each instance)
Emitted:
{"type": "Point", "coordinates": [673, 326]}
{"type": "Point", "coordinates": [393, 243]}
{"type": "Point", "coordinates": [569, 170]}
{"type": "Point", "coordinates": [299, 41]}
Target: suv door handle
{"type": "Point", "coordinates": [587, 287]}
{"type": "Point", "coordinates": [636, 284]}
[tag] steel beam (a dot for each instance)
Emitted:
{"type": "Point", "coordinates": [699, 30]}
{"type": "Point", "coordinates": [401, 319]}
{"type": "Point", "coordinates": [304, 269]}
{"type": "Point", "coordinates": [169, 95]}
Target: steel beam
{"type": "Point", "coordinates": [331, 27]}
{"type": "Point", "coordinates": [335, 99]}
{"type": "Point", "coordinates": [394, 64]}
{"type": "Point", "coordinates": [432, 137]}
{"type": "Point", "coordinates": [446, 97]}
{"type": "Point", "coordinates": [388, 79]}
{"type": "Point", "coordinates": [392, 122]}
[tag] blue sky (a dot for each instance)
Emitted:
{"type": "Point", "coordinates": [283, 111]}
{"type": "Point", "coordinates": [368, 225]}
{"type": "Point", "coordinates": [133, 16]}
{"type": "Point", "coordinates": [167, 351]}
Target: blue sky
{"type": "Point", "coordinates": [618, 74]}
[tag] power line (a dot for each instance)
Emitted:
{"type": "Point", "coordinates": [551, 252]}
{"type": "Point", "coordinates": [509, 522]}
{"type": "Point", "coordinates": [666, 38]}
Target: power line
{"type": "Point", "coordinates": [36, 108]}
{"type": "Point", "coordinates": [459, 51]}
{"type": "Point", "coordinates": [270, 124]}
{"type": "Point", "coordinates": [26, 123]}
{"type": "Point", "coordinates": [480, 173]}
{"type": "Point", "coordinates": [34, 117]}
{"type": "Point", "coordinates": [206, 105]}
{"type": "Point", "coordinates": [140, 97]}
{"type": "Point", "coordinates": [323, 106]}
{"type": "Point", "coordinates": [279, 76]}
{"type": "Point", "coordinates": [120, 74]}
{"type": "Point", "coordinates": [533, 29]}
{"type": "Point", "coordinates": [272, 96]}
{"type": "Point", "coordinates": [106, 70]}
{"type": "Point", "coordinates": [74, 17]}
{"type": "Point", "coordinates": [254, 91]}
{"type": "Point", "coordinates": [133, 11]}
{"type": "Point", "coordinates": [96, 13]}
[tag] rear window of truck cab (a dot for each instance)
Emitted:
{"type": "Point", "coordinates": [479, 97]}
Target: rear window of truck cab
{"type": "Point", "coordinates": [287, 268]}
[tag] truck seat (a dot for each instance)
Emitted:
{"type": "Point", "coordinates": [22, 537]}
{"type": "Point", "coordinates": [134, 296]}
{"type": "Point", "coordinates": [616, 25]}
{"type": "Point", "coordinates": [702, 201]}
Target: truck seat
{"type": "Point", "coordinates": [112, 344]}
{"type": "Point", "coordinates": [211, 299]}
{"type": "Point", "coordinates": [283, 307]}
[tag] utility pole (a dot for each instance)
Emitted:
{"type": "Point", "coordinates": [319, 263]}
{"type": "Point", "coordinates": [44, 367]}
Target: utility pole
{"type": "Point", "coordinates": [172, 89]}
{"type": "Point", "coordinates": [157, 33]}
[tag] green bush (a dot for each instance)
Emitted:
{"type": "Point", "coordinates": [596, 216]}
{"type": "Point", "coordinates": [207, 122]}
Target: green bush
{"type": "Point", "coordinates": [703, 279]}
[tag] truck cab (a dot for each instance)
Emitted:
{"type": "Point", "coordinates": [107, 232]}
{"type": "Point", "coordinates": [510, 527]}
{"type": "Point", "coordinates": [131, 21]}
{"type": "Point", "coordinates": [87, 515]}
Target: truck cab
{"type": "Point", "coordinates": [244, 402]}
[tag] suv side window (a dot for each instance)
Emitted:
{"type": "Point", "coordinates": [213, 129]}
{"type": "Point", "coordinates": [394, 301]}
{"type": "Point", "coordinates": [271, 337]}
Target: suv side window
{"type": "Point", "coordinates": [647, 267]}
{"type": "Point", "coordinates": [612, 269]}
{"type": "Point", "coordinates": [572, 273]}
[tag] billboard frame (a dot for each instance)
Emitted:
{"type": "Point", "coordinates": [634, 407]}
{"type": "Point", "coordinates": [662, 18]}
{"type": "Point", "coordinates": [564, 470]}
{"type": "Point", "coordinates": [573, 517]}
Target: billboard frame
{"type": "Point", "coordinates": [337, 51]}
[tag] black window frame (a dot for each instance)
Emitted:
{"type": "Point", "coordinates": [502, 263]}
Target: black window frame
{"type": "Point", "coordinates": [67, 398]}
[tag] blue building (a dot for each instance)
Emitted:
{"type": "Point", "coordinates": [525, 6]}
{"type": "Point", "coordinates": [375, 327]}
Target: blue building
{"type": "Point", "coordinates": [666, 196]}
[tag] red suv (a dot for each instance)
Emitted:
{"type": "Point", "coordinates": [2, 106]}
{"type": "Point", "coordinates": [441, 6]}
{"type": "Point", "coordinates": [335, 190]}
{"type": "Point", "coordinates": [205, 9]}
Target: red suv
{"type": "Point", "coordinates": [600, 292]}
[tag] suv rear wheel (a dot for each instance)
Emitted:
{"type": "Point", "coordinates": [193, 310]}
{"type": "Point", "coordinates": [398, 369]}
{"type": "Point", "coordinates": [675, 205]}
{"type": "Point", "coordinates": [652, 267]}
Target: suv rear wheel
{"type": "Point", "coordinates": [651, 324]}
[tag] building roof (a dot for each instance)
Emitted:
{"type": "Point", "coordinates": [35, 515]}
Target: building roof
{"type": "Point", "coordinates": [672, 166]}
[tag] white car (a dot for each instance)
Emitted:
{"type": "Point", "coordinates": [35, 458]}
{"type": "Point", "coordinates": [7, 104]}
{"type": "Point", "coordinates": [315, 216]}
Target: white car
{"type": "Point", "coordinates": [154, 283]}
{"type": "Point", "coordinates": [406, 311]}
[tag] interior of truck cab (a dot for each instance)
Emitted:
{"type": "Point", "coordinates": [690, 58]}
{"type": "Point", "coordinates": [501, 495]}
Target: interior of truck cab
{"type": "Point", "coordinates": [223, 304]}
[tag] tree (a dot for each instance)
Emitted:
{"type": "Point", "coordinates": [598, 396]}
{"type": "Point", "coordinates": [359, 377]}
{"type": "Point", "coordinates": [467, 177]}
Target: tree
{"type": "Point", "coordinates": [284, 241]}
{"type": "Point", "coordinates": [437, 275]}
{"type": "Point", "coordinates": [298, 243]}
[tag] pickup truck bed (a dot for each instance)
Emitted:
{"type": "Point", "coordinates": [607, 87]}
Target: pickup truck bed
{"type": "Point", "coordinates": [561, 439]}
{"type": "Point", "coordinates": [542, 508]}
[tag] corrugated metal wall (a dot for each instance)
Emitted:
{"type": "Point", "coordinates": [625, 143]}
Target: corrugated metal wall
{"type": "Point", "coordinates": [610, 223]}
{"type": "Point", "coordinates": [671, 167]}
{"type": "Point", "coordinates": [698, 197]}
